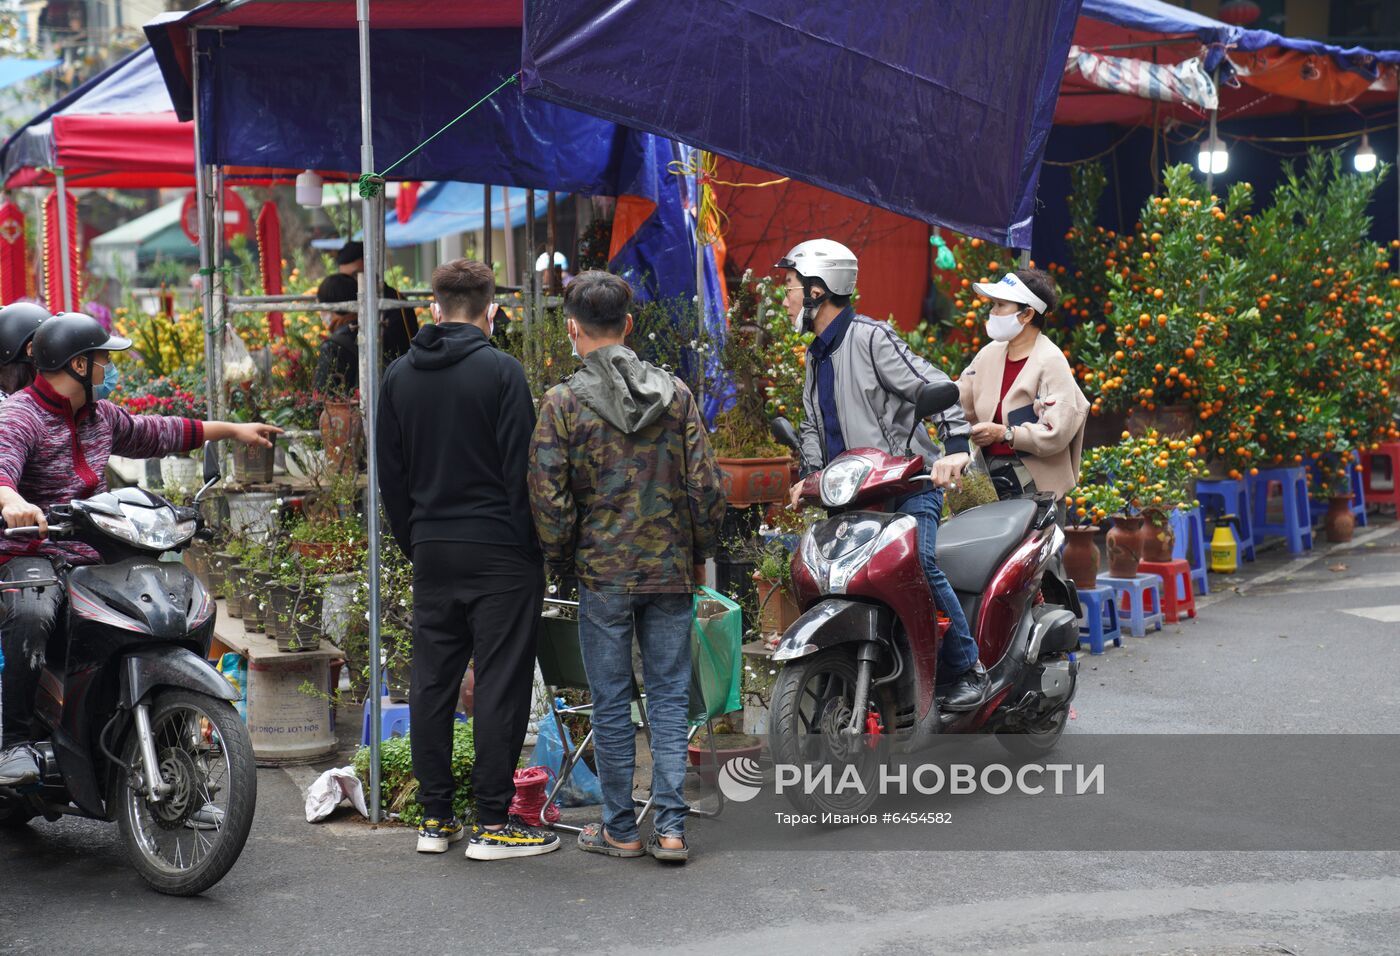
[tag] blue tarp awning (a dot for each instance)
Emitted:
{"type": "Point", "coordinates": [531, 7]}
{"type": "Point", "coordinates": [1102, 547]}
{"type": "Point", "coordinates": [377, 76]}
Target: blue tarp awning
{"type": "Point", "coordinates": [939, 111]}
{"type": "Point", "coordinates": [14, 69]}
{"type": "Point", "coordinates": [445, 209]}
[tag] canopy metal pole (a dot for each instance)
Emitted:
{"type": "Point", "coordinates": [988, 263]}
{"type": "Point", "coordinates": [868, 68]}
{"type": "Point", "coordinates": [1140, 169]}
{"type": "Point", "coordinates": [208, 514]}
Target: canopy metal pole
{"type": "Point", "coordinates": [552, 238]}
{"type": "Point", "coordinates": [509, 236]}
{"type": "Point", "coordinates": [373, 221]}
{"type": "Point", "coordinates": [216, 246]}
{"type": "Point", "coordinates": [1210, 163]}
{"type": "Point", "coordinates": [66, 265]}
{"type": "Point", "coordinates": [486, 229]}
{"type": "Point", "coordinates": [206, 259]}
{"type": "Point", "coordinates": [532, 294]}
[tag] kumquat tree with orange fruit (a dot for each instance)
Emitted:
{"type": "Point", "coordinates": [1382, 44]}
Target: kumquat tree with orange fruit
{"type": "Point", "coordinates": [1276, 329]}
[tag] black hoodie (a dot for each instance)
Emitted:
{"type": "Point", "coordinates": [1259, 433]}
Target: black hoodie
{"type": "Point", "coordinates": [454, 426]}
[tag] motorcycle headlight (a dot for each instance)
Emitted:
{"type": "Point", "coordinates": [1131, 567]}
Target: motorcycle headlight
{"type": "Point", "coordinates": [153, 528]}
{"type": "Point", "coordinates": [842, 479]}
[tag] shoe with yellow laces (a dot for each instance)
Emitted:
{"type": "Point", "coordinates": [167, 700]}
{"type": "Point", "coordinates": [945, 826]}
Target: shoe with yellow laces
{"type": "Point", "coordinates": [434, 834]}
{"type": "Point", "coordinates": [512, 840]}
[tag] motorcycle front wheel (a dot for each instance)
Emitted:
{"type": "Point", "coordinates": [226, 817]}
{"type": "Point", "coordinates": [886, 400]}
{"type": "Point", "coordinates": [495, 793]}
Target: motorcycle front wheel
{"type": "Point", "coordinates": [188, 840]}
{"type": "Point", "coordinates": [811, 707]}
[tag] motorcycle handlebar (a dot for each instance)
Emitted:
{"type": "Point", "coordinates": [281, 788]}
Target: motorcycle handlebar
{"type": "Point", "coordinates": [34, 529]}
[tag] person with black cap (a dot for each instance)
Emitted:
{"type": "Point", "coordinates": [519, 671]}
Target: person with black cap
{"type": "Point", "coordinates": [55, 439]}
{"type": "Point", "coordinates": [397, 326]}
{"type": "Point", "coordinates": [18, 323]}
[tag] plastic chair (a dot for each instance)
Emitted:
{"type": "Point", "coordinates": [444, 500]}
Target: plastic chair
{"type": "Point", "coordinates": [1233, 498]}
{"type": "Point", "coordinates": [1190, 528]}
{"type": "Point", "coordinates": [1177, 595]}
{"type": "Point", "coordinates": [1100, 625]}
{"type": "Point", "coordinates": [1296, 524]}
{"type": "Point", "coordinates": [561, 665]}
{"type": "Point", "coordinates": [1389, 455]}
{"type": "Point", "coordinates": [1134, 592]}
{"type": "Point", "coordinates": [393, 720]}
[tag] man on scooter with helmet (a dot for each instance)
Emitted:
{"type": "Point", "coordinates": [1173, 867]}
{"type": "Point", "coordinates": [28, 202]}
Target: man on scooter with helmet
{"type": "Point", "coordinates": [859, 392]}
{"type": "Point", "coordinates": [55, 439]}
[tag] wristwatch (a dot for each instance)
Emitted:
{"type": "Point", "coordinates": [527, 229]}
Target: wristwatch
{"type": "Point", "coordinates": [1009, 435]}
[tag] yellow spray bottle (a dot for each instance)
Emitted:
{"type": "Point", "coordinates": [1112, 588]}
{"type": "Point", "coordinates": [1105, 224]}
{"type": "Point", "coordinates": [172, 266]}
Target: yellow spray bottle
{"type": "Point", "coordinates": [1224, 546]}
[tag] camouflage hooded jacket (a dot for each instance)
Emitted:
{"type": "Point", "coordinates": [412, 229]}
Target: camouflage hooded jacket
{"type": "Point", "coordinates": [624, 485]}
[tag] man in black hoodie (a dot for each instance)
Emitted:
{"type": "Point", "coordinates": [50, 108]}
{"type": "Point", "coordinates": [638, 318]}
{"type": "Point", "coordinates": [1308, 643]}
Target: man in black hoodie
{"type": "Point", "coordinates": [455, 419]}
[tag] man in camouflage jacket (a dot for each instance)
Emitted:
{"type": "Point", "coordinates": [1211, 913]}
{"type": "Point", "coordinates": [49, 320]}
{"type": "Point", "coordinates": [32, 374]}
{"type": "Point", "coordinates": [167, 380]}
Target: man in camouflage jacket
{"type": "Point", "coordinates": [627, 496]}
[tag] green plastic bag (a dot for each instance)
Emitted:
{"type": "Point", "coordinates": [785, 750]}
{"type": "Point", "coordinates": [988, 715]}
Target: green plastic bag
{"type": "Point", "coordinates": [716, 639]}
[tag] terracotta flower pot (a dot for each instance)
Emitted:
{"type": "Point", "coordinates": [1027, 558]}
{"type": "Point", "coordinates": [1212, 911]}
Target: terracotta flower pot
{"type": "Point", "coordinates": [1158, 536]}
{"type": "Point", "coordinates": [1339, 522]}
{"type": "Point", "coordinates": [342, 435]}
{"type": "Point", "coordinates": [727, 747]}
{"type": "Point", "coordinates": [1125, 546]}
{"type": "Point", "coordinates": [778, 610]}
{"type": "Point", "coordinates": [755, 481]}
{"type": "Point", "coordinates": [1082, 556]}
{"type": "Point", "coordinates": [252, 465]}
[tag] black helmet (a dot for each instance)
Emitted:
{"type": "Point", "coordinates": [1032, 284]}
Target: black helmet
{"type": "Point", "coordinates": [68, 335]}
{"type": "Point", "coordinates": [18, 322]}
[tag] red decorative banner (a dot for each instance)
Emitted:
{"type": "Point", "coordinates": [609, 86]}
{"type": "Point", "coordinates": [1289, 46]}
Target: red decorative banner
{"type": "Point", "coordinates": [270, 259]}
{"type": "Point", "coordinates": [53, 252]}
{"type": "Point", "coordinates": [406, 201]}
{"type": "Point", "coordinates": [14, 273]}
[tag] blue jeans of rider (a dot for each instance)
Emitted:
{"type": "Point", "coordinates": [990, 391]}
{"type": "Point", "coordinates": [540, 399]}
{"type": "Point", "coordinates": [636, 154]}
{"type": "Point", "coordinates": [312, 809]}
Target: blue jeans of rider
{"type": "Point", "coordinates": [959, 650]}
{"type": "Point", "coordinates": [662, 624]}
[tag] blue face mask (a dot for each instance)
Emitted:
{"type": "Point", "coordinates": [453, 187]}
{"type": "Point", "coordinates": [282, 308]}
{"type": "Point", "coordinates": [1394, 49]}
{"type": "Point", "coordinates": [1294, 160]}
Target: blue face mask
{"type": "Point", "coordinates": [111, 378]}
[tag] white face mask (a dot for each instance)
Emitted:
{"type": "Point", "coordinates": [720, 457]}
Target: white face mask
{"type": "Point", "coordinates": [1004, 328]}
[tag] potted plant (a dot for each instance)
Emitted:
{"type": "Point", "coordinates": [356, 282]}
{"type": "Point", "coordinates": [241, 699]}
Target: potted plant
{"type": "Point", "coordinates": [728, 745]}
{"type": "Point", "coordinates": [754, 468]}
{"type": "Point", "coordinates": [1087, 507]}
{"type": "Point", "coordinates": [252, 464]}
{"type": "Point", "coordinates": [342, 433]}
{"type": "Point", "coordinates": [1332, 483]}
{"type": "Point", "coordinates": [777, 609]}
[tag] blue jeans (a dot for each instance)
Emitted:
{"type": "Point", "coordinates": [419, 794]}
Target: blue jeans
{"type": "Point", "coordinates": [606, 623]}
{"type": "Point", "coordinates": [959, 650]}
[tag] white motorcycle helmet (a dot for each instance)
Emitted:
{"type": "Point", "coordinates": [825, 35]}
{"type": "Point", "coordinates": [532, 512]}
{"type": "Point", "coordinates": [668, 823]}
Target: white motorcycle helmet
{"type": "Point", "coordinates": [823, 260]}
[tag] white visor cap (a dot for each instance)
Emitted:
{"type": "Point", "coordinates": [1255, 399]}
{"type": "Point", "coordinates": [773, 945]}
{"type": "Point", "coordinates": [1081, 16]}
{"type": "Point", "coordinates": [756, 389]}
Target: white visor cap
{"type": "Point", "coordinates": [1011, 289]}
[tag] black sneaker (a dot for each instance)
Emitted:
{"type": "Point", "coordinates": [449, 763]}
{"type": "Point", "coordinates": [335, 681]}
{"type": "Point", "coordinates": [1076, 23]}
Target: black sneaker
{"type": "Point", "coordinates": [968, 690]}
{"type": "Point", "coordinates": [435, 835]}
{"type": "Point", "coordinates": [512, 840]}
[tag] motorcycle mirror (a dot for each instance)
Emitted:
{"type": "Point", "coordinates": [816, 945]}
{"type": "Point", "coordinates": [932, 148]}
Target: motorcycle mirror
{"type": "Point", "coordinates": [785, 434]}
{"type": "Point", "coordinates": [211, 462]}
{"type": "Point", "coordinates": [935, 397]}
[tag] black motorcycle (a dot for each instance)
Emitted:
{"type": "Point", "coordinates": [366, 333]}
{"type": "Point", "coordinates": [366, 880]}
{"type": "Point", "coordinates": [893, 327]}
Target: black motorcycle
{"type": "Point", "coordinates": [132, 724]}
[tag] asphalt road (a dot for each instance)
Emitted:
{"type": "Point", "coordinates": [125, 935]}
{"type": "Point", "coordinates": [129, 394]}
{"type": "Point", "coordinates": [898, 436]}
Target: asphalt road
{"type": "Point", "coordinates": [1279, 650]}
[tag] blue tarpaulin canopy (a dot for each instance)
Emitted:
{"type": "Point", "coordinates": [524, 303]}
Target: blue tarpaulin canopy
{"type": "Point", "coordinates": [935, 110]}
{"type": "Point", "coordinates": [445, 209]}
{"type": "Point", "coordinates": [14, 69]}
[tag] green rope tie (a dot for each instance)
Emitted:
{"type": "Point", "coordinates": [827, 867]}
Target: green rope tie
{"type": "Point", "coordinates": [372, 184]}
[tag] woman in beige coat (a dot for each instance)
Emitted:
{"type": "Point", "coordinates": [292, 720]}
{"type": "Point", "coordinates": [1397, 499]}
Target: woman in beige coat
{"type": "Point", "coordinates": [1026, 410]}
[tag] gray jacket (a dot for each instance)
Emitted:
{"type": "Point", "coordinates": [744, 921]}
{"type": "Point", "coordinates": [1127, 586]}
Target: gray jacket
{"type": "Point", "coordinates": [877, 377]}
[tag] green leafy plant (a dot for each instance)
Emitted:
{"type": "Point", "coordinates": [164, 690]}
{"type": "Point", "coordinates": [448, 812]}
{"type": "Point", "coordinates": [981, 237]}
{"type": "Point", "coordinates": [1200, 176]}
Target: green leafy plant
{"type": "Point", "coordinates": [1090, 504]}
{"type": "Point", "coordinates": [398, 785]}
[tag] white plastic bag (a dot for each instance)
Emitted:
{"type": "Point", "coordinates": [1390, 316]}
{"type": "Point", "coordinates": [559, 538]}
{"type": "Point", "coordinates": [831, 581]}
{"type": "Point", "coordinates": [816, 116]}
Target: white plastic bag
{"type": "Point", "coordinates": [238, 364]}
{"type": "Point", "coordinates": [330, 789]}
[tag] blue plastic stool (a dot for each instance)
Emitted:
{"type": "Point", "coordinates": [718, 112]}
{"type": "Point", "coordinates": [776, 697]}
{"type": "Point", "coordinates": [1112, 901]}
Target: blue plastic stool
{"type": "Point", "coordinates": [1134, 592]}
{"type": "Point", "coordinates": [1100, 618]}
{"type": "Point", "coordinates": [1190, 529]}
{"type": "Point", "coordinates": [1233, 498]}
{"type": "Point", "coordinates": [1358, 491]}
{"type": "Point", "coordinates": [1296, 526]}
{"type": "Point", "coordinates": [393, 720]}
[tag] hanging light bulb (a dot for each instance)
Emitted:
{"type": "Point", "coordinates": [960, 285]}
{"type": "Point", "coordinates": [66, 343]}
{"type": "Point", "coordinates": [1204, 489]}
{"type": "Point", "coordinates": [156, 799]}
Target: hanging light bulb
{"type": "Point", "coordinates": [1213, 158]}
{"type": "Point", "coordinates": [309, 188]}
{"type": "Point", "coordinates": [1364, 160]}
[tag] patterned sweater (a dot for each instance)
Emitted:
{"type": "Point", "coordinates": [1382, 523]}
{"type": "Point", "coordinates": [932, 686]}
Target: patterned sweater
{"type": "Point", "coordinates": [50, 456]}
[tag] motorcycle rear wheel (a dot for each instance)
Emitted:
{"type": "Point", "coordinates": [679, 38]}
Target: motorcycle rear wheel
{"type": "Point", "coordinates": [812, 700]}
{"type": "Point", "coordinates": [186, 842]}
{"type": "Point", "coordinates": [1040, 739]}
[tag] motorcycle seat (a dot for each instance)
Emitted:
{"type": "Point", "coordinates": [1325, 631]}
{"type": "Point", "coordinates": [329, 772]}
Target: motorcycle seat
{"type": "Point", "coordinates": [972, 545]}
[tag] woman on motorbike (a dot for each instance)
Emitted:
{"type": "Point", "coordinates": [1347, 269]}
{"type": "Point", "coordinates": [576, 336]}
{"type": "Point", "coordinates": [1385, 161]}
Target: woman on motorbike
{"type": "Point", "coordinates": [1026, 410]}
{"type": "Point", "coordinates": [55, 439]}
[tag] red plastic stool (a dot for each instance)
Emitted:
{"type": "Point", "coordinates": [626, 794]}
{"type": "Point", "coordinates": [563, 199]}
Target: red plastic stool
{"type": "Point", "coordinates": [1389, 452]}
{"type": "Point", "coordinates": [1177, 596]}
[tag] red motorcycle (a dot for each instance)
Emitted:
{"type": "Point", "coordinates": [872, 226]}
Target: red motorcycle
{"type": "Point", "coordinates": [859, 674]}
